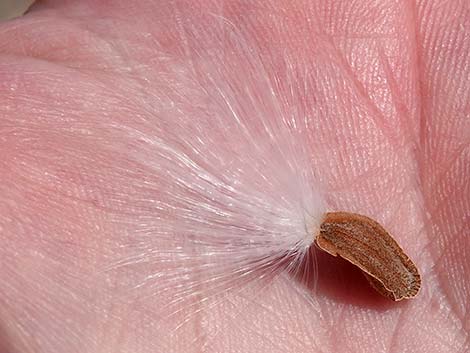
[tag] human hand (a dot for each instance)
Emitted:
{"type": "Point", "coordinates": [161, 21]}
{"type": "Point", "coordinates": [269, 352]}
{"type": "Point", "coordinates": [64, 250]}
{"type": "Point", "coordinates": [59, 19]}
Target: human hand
{"type": "Point", "coordinates": [121, 124]}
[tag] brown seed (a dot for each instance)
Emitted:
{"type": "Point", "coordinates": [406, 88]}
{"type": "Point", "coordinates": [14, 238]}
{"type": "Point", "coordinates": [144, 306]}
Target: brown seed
{"type": "Point", "coordinates": [366, 244]}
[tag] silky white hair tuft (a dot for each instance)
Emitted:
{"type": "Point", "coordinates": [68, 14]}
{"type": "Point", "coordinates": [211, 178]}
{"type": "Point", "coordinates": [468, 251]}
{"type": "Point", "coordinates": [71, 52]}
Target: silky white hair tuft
{"type": "Point", "coordinates": [231, 194]}
{"type": "Point", "coordinates": [152, 185]}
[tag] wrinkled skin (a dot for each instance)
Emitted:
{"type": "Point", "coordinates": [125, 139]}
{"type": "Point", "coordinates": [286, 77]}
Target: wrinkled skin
{"type": "Point", "coordinates": [395, 105]}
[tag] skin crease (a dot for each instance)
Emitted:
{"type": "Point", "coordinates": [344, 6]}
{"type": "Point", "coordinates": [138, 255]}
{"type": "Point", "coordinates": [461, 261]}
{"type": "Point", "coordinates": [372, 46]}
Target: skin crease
{"type": "Point", "coordinates": [399, 80]}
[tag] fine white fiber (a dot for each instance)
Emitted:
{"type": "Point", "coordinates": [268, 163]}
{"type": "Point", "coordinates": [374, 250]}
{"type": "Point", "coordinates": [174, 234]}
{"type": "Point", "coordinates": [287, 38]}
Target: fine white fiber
{"type": "Point", "coordinates": [162, 168]}
{"type": "Point", "coordinates": [232, 197]}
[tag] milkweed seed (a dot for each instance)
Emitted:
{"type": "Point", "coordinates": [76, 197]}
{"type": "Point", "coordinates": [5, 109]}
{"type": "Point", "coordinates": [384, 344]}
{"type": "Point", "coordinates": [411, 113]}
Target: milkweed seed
{"type": "Point", "coordinates": [367, 245]}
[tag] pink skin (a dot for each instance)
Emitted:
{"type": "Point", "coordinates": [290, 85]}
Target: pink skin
{"type": "Point", "coordinates": [391, 94]}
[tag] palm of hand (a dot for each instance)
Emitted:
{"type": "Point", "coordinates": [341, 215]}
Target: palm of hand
{"type": "Point", "coordinates": [386, 95]}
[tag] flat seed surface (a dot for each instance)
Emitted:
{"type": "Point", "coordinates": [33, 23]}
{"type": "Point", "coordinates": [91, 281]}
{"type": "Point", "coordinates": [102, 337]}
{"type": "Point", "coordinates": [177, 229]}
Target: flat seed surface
{"type": "Point", "coordinates": [366, 244]}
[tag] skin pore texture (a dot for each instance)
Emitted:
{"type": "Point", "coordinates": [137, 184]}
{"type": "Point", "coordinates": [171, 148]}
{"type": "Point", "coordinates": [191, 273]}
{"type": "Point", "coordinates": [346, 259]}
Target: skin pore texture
{"type": "Point", "coordinates": [164, 163]}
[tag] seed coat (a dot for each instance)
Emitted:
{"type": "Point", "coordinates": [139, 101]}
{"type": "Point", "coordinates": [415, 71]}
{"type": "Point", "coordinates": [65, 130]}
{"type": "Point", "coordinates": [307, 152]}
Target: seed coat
{"type": "Point", "coordinates": [367, 245]}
